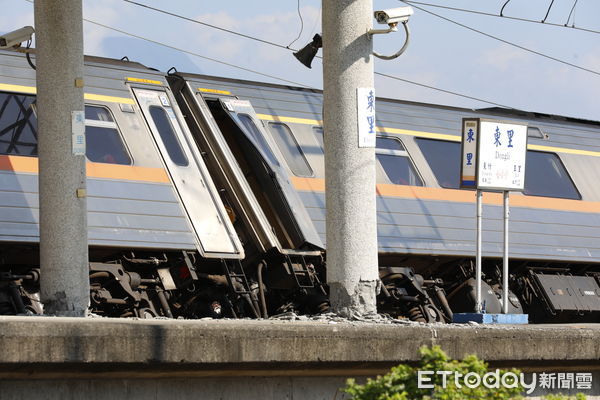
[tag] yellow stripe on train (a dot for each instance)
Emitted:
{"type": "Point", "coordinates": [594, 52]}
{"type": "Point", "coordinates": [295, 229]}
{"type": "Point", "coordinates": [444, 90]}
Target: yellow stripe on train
{"type": "Point", "coordinates": [88, 96]}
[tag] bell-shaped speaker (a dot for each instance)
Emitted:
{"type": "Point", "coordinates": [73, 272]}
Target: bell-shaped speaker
{"type": "Point", "coordinates": [306, 54]}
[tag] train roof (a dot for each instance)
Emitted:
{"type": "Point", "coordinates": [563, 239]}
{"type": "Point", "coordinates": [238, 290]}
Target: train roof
{"type": "Point", "coordinates": [126, 64]}
{"type": "Point", "coordinates": [500, 111]}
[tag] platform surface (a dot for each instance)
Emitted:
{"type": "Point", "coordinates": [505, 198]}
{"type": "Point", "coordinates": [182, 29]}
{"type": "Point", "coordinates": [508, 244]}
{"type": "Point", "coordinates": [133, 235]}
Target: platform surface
{"type": "Point", "coordinates": [43, 346]}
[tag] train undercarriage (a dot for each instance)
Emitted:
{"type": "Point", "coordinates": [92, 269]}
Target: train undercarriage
{"type": "Point", "coordinates": [182, 285]}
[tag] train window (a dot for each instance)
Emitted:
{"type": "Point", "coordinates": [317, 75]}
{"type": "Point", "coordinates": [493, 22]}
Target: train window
{"type": "Point", "coordinates": [258, 137]}
{"type": "Point", "coordinates": [545, 175]}
{"type": "Point", "coordinates": [444, 159]}
{"type": "Point", "coordinates": [389, 144]}
{"type": "Point", "coordinates": [168, 136]}
{"type": "Point", "coordinates": [96, 113]}
{"type": "Point", "coordinates": [18, 125]}
{"type": "Point", "coordinates": [292, 153]}
{"type": "Point", "coordinates": [103, 141]}
{"type": "Point", "coordinates": [396, 163]}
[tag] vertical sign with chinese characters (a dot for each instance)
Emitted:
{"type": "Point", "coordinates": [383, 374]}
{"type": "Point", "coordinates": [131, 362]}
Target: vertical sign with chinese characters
{"type": "Point", "coordinates": [78, 133]}
{"type": "Point", "coordinates": [502, 148]}
{"type": "Point", "coordinates": [365, 100]}
{"type": "Point", "coordinates": [469, 153]}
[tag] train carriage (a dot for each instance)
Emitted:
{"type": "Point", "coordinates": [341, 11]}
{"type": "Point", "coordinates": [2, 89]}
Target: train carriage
{"type": "Point", "coordinates": [154, 214]}
{"type": "Point", "coordinates": [426, 225]}
{"type": "Point", "coordinates": [206, 197]}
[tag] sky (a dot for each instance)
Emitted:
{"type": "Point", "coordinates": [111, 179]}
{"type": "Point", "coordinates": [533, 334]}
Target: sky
{"type": "Point", "coordinates": [441, 54]}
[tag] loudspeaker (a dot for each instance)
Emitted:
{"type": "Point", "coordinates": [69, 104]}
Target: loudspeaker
{"type": "Point", "coordinates": [306, 54]}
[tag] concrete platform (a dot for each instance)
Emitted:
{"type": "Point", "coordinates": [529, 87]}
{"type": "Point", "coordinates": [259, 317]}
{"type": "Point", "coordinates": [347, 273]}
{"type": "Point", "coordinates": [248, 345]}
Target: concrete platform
{"type": "Point", "coordinates": [58, 350]}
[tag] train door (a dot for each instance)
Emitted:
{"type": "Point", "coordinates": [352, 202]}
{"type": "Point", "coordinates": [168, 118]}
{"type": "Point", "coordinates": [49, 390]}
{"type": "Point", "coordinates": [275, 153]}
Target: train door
{"type": "Point", "coordinates": [214, 232]}
{"type": "Point", "coordinates": [273, 186]}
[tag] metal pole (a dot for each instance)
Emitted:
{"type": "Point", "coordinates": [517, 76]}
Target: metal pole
{"type": "Point", "coordinates": [62, 178]}
{"type": "Point", "coordinates": [352, 268]}
{"type": "Point", "coordinates": [505, 260]}
{"type": "Point", "coordinates": [478, 305]}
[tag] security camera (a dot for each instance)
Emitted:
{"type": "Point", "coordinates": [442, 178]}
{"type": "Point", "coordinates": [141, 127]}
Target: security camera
{"type": "Point", "coordinates": [393, 16]}
{"type": "Point", "coordinates": [15, 38]}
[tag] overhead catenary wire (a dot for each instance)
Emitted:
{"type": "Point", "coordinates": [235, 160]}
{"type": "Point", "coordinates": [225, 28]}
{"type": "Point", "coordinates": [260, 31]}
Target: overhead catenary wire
{"type": "Point", "coordinates": [189, 52]}
{"type": "Point", "coordinates": [194, 54]}
{"type": "Point", "coordinates": [201, 23]}
{"type": "Point", "coordinates": [503, 7]}
{"type": "Point", "coordinates": [443, 90]}
{"type": "Point", "coordinates": [548, 12]}
{"type": "Point", "coordinates": [287, 48]}
{"type": "Point", "coordinates": [571, 13]}
{"type": "Point", "coordinates": [296, 83]}
{"type": "Point", "coordinates": [269, 43]}
{"type": "Point", "coordinates": [411, 2]}
{"type": "Point", "coordinates": [518, 46]}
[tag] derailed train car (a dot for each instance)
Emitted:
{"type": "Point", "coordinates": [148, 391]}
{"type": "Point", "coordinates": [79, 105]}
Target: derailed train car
{"type": "Point", "coordinates": [206, 198]}
{"type": "Point", "coordinates": [426, 225]}
{"type": "Point", "coordinates": [162, 240]}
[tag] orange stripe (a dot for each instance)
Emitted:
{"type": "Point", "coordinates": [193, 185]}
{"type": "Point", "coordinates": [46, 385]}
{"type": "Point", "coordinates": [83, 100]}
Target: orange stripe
{"type": "Point", "coordinates": [127, 172]}
{"type": "Point", "coordinates": [309, 184]}
{"type": "Point", "coordinates": [460, 196]}
{"type": "Point", "coordinates": [19, 164]}
{"type": "Point", "coordinates": [94, 170]}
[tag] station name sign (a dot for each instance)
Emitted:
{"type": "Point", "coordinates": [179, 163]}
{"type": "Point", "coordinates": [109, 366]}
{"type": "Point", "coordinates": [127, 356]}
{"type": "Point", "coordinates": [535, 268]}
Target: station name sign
{"type": "Point", "coordinates": [493, 155]}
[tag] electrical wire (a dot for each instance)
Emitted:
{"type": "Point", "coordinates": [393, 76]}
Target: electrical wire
{"type": "Point", "coordinates": [411, 2]}
{"type": "Point", "coordinates": [442, 90]}
{"type": "Point", "coordinates": [194, 54]}
{"type": "Point", "coordinates": [503, 40]}
{"type": "Point", "coordinates": [502, 9]}
{"type": "Point", "coordinates": [548, 12]}
{"type": "Point", "coordinates": [200, 23]}
{"type": "Point", "coordinates": [288, 81]}
{"type": "Point", "coordinates": [189, 52]}
{"type": "Point", "coordinates": [301, 27]}
{"type": "Point", "coordinates": [287, 48]}
{"type": "Point", "coordinates": [317, 20]}
{"type": "Point", "coordinates": [571, 13]}
{"type": "Point", "coordinates": [28, 56]}
{"type": "Point", "coordinates": [272, 44]}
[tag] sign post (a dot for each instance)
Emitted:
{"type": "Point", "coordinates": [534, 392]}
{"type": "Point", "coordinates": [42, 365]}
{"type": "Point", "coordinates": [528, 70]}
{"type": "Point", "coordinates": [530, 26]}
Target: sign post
{"type": "Point", "coordinates": [505, 256]}
{"type": "Point", "coordinates": [493, 159]}
{"type": "Point", "coordinates": [478, 305]}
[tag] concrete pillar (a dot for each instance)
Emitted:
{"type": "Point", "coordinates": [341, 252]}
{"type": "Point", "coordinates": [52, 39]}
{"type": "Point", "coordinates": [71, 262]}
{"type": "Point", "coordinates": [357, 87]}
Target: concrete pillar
{"type": "Point", "coordinates": [352, 268]}
{"type": "Point", "coordinates": [62, 178]}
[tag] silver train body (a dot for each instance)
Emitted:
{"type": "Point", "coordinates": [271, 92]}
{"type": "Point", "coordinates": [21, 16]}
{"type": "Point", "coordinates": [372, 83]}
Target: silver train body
{"type": "Point", "coordinates": [208, 194]}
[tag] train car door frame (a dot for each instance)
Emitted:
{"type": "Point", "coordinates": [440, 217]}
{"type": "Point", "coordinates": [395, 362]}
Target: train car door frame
{"type": "Point", "coordinates": [214, 232]}
{"type": "Point", "coordinates": [303, 228]}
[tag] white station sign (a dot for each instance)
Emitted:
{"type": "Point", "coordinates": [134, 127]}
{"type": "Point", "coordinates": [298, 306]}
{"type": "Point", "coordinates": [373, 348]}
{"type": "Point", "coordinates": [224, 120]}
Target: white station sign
{"type": "Point", "coordinates": [493, 155]}
{"type": "Point", "coordinates": [366, 117]}
{"type": "Point", "coordinates": [468, 167]}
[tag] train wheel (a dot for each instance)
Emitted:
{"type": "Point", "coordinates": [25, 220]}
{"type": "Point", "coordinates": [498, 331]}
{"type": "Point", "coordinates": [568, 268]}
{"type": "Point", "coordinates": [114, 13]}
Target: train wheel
{"type": "Point", "coordinates": [146, 313]}
{"type": "Point", "coordinates": [433, 314]}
